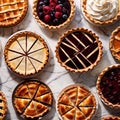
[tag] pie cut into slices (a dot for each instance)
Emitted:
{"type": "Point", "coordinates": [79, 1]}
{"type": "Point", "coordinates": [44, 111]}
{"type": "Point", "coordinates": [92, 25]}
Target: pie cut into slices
{"type": "Point", "coordinates": [76, 108]}
{"type": "Point", "coordinates": [26, 53]}
{"type": "Point", "coordinates": [35, 106]}
{"type": "Point", "coordinates": [12, 12]}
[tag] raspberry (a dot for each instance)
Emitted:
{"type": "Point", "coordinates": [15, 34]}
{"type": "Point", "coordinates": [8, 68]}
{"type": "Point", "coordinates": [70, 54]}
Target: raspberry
{"type": "Point", "coordinates": [55, 1]}
{"type": "Point", "coordinates": [52, 5]}
{"type": "Point", "coordinates": [58, 14]}
{"type": "Point", "coordinates": [58, 8]}
{"type": "Point", "coordinates": [46, 9]}
{"type": "Point", "coordinates": [47, 18]}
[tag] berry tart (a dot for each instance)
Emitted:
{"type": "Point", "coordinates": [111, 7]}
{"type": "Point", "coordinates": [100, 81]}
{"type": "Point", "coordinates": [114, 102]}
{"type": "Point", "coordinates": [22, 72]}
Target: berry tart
{"type": "Point", "coordinates": [101, 12]}
{"type": "Point", "coordinates": [32, 99]}
{"type": "Point", "coordinates": [78, 50]}
{"type": "Point", "coordinates": [115, 43]}
{"type": "Point", "coordinates": [53, 14]}
{"type": "Point", "coordinates": [108, 86]}
{"type": "Point", "coordinates": [12, 12]}
{"type": "Point", "coordinates": [76, 102]}
{"type": "Point", "coordinates": [26, 53]}
{"type": "Point", "coordinates": [3, 106]}
{"type": "Point", "coordinates": [111, 118]}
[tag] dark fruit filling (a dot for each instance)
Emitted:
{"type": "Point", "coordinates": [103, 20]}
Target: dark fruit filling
{"type": "Point", "coordinates": [110, 85]}
{"type": "Point", "coordinates": [78, 50]}
{"type": "Point", "coordinates": [53, 12]}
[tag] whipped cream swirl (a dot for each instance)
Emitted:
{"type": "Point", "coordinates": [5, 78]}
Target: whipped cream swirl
{"type": "Point", "coordinates": [102, 10]}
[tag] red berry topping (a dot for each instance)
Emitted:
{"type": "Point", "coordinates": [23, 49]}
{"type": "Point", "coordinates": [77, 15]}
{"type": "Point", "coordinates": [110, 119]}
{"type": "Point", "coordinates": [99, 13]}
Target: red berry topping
{"type": "Point", "coordinates": [58, 14]}
{"type": "Point", "coordinates": [47, 18]}
{"type": "Point", "coordinates": [52, 5]}
{"type": "Point", "coordinates": [55, 1]}
{"type": "Point", "coordinates": [46, 9]}
{"type": "Point", "coordinates": [58, 8]}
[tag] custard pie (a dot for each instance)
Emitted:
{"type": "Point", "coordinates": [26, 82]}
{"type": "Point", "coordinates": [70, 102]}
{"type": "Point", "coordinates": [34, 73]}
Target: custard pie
{"type": "Point", "coordinates": [115, 43]}
{"type": "Point", "coordinates": [79, 50]}
{"type": "Point", "coordinates": [75, 102]}
{"type": "Point", "coordinates": [32, 99]}
{"type": "Point", "coordinates": [3, 106]}
{"type": "Point", "coordinates": [26, 53]}
{"type": "Point", "coordinates": [53, 14]}
{"type": "Point", "coordinates": [108, 86]}
{"type": "Point", "coordinates": [111, 118]}
{"type": "Point", "coordinates": [101, 12]}
{"type": "Point", "coordinates": [12, 12]}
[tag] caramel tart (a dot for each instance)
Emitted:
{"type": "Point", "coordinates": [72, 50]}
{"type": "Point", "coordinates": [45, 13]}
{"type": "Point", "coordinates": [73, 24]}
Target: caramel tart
{"type": "Point", "coordinates": [53, 14]}
{"type": "Point", "coordinates": [111, 118]}
{"type": "Point", "coordinates": [79, 50]}
{"type": "Point", "coordinates": [12, 12]}
{"type": "Point", "coordinates": [32, 99]}
{"type": "Point", "coordinates": [75, 102]}
{"type": "Point", "coordinates": [115, 43]}
{"type": "Point", "coordinates": [108, 86]}
{"type": "Point", "coordinates": [26, 53]}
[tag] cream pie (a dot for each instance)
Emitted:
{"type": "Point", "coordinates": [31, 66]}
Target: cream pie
{"type": "Point", "coordinates": [79, 50]}
{"type": "Point", "coordinates": [3, 106]}
{"type": "Point", "coordinates": [12, 12]}
{"type": "Point", "coordinates": [108, 86]}
{"type": "Point", "coordinates": [32, 99]}
{"type": "Point", "coordinates": [26, 53]}
{"type": "Point", "coordinates": [111, 118]}
{"type": "Point", "coordinates": [76, 102]}
{"type": "Point", "coordinates": [53, 14]}
{"type": "Point", "coordinates": [101, 12]}
{"type": "Point", "coordinates": [115, 43]}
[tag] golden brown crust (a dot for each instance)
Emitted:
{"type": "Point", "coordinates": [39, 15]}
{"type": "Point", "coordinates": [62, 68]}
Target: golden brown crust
{"type": "Point", "coordinates": [94, 21]}
{"type": "Point", "coordinates": [99, 89]}
{"type": "Point", "coordinates": [89, 67]}
{"type": "Point", "coordinates": [18, 19]}
{"type": "Point", "coordinates": [72, 13]}
{"type": "Point", "coordinates": [12, 39]}
{"type": "Point", "coordinates": [111, 118]}
{"type": "Point", "coordinates": [115, 50]}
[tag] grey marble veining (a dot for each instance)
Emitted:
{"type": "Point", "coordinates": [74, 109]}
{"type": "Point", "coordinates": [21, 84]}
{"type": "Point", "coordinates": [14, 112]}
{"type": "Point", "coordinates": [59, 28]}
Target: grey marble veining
{"type": "Point", "coordinates": [54, 75]}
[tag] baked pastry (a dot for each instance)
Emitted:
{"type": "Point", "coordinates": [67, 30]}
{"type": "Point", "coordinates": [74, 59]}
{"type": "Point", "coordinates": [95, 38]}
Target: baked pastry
{"type": "Point", "coordinates": [111, 118]}
{"type": "Point", "coordinates": [12, 12]}
{"type": "Point", "coordinates": [53, 14]}
{"type": "Point", "coordinates": [115, 43]}
{"type": "Point", "coordinates": [108, 86]}
{"type": "Point", "coordinates": [79, 50]}
{"type": "Point", "coordinates": [26, 53]}
{"type": "Point", "coordinates": [32, 99]}
{"type": "Point", "coordinates": [3, 106]}
{"type": "Point", "coordinates": [75, 102]}
{"type": "Point", "coordinates": [101, 12]}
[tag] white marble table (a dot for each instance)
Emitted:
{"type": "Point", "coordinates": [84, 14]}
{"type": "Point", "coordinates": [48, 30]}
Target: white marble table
{"type": "Point", "coordinates": [54, 75]}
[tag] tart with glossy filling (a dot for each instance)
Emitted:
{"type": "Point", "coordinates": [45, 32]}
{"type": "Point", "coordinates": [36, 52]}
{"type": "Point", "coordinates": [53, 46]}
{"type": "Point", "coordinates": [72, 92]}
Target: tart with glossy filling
{"type": "Point", "coordinates": [111, 118]}
{"type": "Point", "coordinates": [26, 53]}
{"type": "Point", "coordinates": [108, 86]}
{"type": "Point", "coordinates": [79, 50]}
{"type": "Point", "coordinates": [75, 102]}
{"type": "Point", "coordinates": [12, 12]}
{"type": "Point", "coordinates": [32, 99]}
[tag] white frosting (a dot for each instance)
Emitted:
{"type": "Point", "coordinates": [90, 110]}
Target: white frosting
{"type": "Point", "coordinates": [102, 10]}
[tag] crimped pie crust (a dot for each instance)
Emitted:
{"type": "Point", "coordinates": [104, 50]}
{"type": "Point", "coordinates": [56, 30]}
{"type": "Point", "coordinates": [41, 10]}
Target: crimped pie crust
{"type": "Point", "coordinates": [99, 90]}
{"type": "Point", "coordinates": [64, 24]}
{"type": "Point", "coordinates": [115, 51]}
{"type": "Point", "coordinates": [82, 30]}
{"type": "Point", "coordinates": [111, 118]}
{"type": "Point", "coordinates": [87, 94]}
{"type": "Point", "coordinates": [34, 91]}
{"type": "Point", "coordinates": [5, 105]}
{"type": "Point", "coordinates": [94, 21]}
{"type": "Point", "coordinates": [17, 19]}
{"type": "Point", "coordinates": [36, 69]}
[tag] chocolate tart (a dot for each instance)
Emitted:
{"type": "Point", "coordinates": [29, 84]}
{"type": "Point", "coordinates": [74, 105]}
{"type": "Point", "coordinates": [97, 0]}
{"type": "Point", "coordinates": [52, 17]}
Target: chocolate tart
{"type": "Point", "coordinates": [111, 118]}
{"type": "Point", "coordinates": [79, 50]}
{"type": "Point", "coordinates": [12, 12]}
{"type": "Point", "coordinates": [101, 12]}
{"type": "Point", "coordinates": [26, 53]}
{"type": "Point", "coordinates": [108, 86]}
{"type": "Point", "coordinates": [115, 43]}
{"type": "Point", "coordinates": [76, 102]}
{"type": "Point", "coordinates": [3, 106]}
{"type": "Point", "coordinates": [32, 99]}
{"type": "Point", "coordinates": [53, 14]}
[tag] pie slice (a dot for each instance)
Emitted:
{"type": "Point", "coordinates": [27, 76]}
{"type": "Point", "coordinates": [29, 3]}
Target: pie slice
{"type": "Point", "coordinates": [79, 115]}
